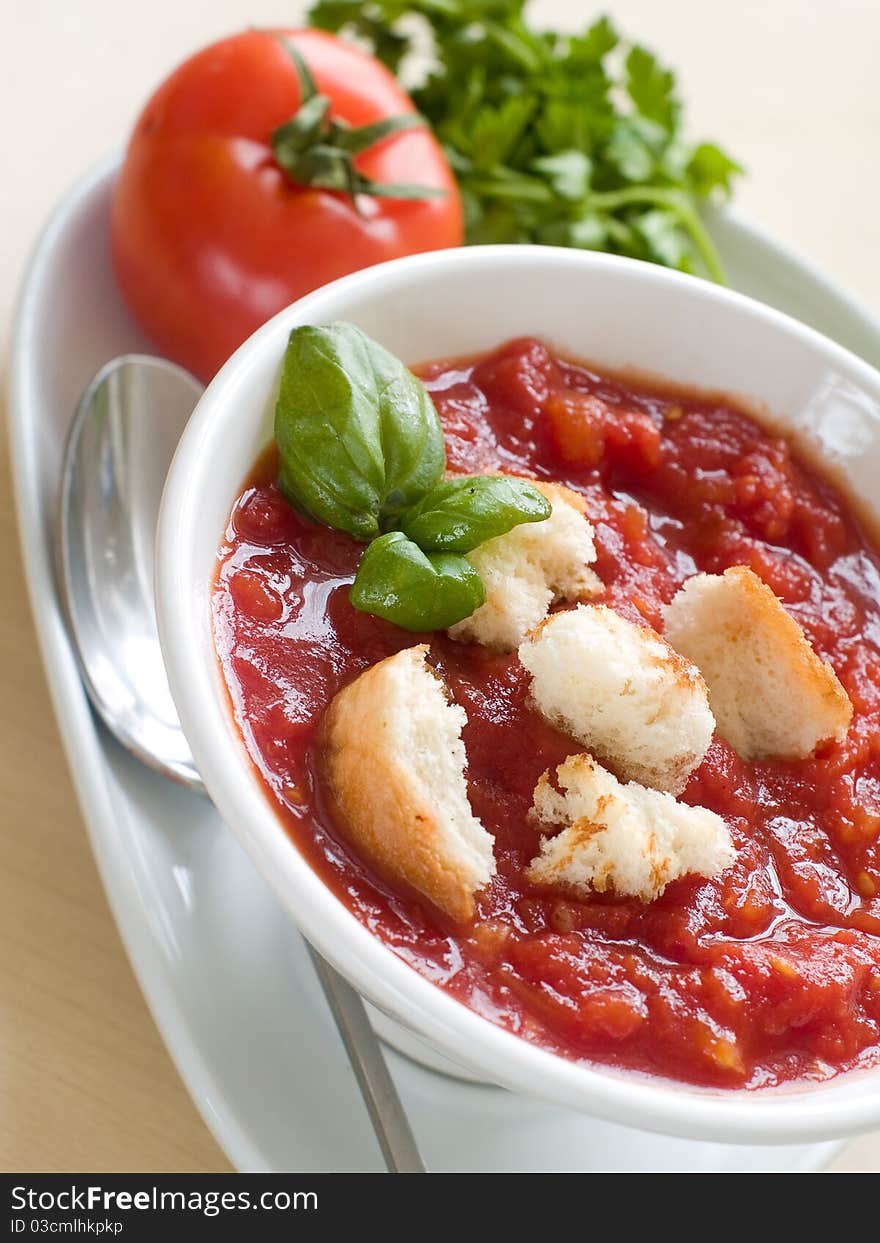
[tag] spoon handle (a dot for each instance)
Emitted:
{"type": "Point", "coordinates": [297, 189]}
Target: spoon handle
{"type": "Point", "coordinates": [398, 1144]}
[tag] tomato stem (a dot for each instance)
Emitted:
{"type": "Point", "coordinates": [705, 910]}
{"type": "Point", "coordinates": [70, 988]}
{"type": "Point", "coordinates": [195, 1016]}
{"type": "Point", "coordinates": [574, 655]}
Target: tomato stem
{"type": "Point", "coordinates": [317, 150]}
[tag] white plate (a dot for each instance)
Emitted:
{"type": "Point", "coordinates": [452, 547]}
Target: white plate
{"type": "Point", "coordinates": [225, 974]}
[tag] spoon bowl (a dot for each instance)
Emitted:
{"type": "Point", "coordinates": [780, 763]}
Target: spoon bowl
{"type": "Point", "coordinates": [121, 442]}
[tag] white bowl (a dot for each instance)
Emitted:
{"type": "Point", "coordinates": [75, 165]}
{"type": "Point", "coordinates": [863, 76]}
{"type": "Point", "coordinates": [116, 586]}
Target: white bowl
{"type": "Point", "coordinates": [616, 313]}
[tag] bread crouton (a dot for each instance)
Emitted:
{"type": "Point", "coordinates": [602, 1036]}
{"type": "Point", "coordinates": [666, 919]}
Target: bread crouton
{"type": "Point", "coordinates": [770, 693]}
{"type": "Point", "coordinates": [394, 763]}
{"type": "Point", "coordinates": [621, 691]}
{"type": "Point", "coordinates": [531, 567]}
{"type": "Point", "coordinates": [622, 837]}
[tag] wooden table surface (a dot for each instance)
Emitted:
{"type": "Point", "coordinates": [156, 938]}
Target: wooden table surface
{"type": "Point", "coordinates": [791, 87]}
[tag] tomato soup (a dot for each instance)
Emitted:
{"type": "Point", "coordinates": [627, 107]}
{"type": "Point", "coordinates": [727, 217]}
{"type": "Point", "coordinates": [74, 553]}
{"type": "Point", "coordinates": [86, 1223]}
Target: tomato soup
{"type": "Point", "coordinates": [768, 973]}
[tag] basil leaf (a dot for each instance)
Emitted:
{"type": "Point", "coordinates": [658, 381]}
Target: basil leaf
{"type": "Point", "coordinates": [461, 513]}
{"type": "Point", "coordinates": [414, 589]}
{"type": "Point", "coordinates": [358, 435]}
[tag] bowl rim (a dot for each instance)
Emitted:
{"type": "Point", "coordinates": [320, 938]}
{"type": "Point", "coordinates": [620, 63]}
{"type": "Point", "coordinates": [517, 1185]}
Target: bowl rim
{"type": "Point", "coordinates": [795, 1113]}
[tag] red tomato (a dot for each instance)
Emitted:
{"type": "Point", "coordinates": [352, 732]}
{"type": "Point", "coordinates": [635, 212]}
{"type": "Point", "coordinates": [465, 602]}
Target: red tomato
{"type": "Point", "coordinates": [210, 237]}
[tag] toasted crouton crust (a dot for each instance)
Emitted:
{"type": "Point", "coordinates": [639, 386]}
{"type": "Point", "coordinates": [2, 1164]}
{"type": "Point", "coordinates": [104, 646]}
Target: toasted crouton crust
{"type": "Point", "coordinates": [620, 690]}
{"type": "Point", "coordinates": [394, 763]}
{"type": "Point", "coordinates": [533, 566]}
{"type": "Point", "coordinates": [622, 837]}
{"type": "Point", "coordinates": [770, 693]}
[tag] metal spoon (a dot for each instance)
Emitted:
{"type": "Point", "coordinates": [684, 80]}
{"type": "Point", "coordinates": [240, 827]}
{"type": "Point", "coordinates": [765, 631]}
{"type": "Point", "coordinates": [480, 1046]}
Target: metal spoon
{"type": "Point", "coordinates": [120, 446]}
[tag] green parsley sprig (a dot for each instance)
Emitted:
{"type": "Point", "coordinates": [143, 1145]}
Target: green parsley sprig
{"type": "Point", "coordinates": [571, 140]}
